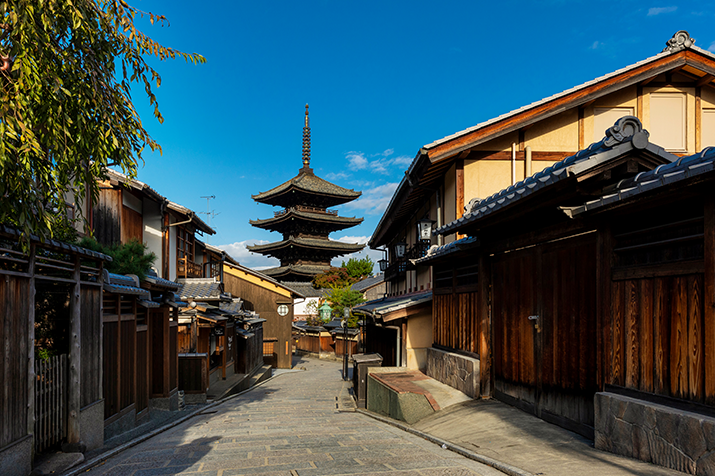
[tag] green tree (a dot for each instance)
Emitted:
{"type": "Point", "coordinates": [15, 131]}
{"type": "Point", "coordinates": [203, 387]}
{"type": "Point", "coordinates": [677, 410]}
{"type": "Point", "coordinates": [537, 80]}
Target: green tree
{"type": "Point", "coordinates": [66, 70]}
{"type": "Point", "coordinates": [341, 298]}
{"type": "Point", "coordinates": [334, 278]}
{"type": "Point", "coordinates": [128, 258]}
{"type": "Point", "coordinates": [359, 268]}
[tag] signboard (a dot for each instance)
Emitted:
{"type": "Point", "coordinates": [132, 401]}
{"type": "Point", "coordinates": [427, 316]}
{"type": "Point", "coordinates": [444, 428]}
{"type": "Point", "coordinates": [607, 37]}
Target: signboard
{"type": "Point", "coordinates": [283, 310]}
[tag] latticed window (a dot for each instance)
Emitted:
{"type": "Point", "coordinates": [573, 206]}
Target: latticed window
{"type": "Point", "coordinates": [184, 244]}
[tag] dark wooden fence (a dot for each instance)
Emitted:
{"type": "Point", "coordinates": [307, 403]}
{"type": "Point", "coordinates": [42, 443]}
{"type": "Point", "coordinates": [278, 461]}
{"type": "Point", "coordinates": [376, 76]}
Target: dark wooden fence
{"type": "Point", "coordinates": [50, 402]}
{"type": "Point", "coordinates": [193, 372]}
{"type": "Point", "coordinates": [352, 344]}
{"type": "Point", "coordinates": [251, 351]}
{"type": "Point", "coordinates": [455, 321]}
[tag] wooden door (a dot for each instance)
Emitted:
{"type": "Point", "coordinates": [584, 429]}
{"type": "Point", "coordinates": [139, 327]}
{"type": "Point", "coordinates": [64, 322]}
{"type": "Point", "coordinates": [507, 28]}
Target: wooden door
{"type": "Point", "coordinates": [544, 318]}
{"type": "Point", "coordinates": [514, 298]}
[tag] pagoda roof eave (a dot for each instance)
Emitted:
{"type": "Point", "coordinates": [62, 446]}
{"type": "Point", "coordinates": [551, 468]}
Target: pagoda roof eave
{"type": "Point", "coordinates": [307, 216]}
{"type": "Point", "coordinates": [308, 243]}
{"type": "Point", "coordinates": [309, 183]}
{"type": "Point", "coordinates": [298, 270]}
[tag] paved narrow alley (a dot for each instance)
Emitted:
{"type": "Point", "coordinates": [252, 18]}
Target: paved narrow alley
{"type": "Point", "coordinates": [289, 426]}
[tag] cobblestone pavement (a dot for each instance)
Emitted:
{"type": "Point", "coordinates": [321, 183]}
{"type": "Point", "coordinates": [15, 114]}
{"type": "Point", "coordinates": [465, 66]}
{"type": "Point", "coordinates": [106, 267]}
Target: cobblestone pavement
{"type": "Point", "coordinates": [289, 426]}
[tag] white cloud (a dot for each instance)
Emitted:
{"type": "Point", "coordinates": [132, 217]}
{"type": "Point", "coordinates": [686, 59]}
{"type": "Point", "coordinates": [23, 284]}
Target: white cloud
{"type": "Point", "coordinates": [240, 253]}
{"type": "Point", "coordinates": [337, 176]}
{"type": "Point", "coordinates": [712, 47]}
{"type": "Point", "coordinates": [658, 10]}
{"type": "Point", "coordinates": [356, 160]}
{"type": "Point", "coordinates": [595, 45]}
{"type": "Point", "coordinates": [374, 201]}
{"type": "Point", "coordinates": [379, 164]}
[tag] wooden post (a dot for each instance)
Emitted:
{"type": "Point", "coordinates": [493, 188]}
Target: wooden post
{"type": "Point", "coordinates": [698, 120]}
{"type": "Point", "coordinates": [165, 251]}
{"type": "Point", "coordinates": [74, 385]}
{"type": "Point", "coordinates": [709, 300]}
{"type": "Point", "coordinates": [100, 354]}
{"type": "Point", "coordinates": [31, 377]}
{"type": "Point", "coordinates": [604, 253]}
{"type": "Point", "coordinates": [485, 325]}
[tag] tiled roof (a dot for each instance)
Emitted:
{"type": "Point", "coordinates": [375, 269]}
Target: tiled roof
{"type": "Point", "coordinates": [391, 304]}
{"type": "Point", "coordinates": [141, 186]}
{"type": "Point", "coordinates": [452, 247]}
{"type": "Point", "coordinates": [260, 274]}
{"type": "Point", "coordinates": [625, 135]}
{"type": "Point", "coordinates": [293, 213]}
{"type": "Point", "coordinates": [306, 289]}
{"type": "Point", "coordinates": [682, 169]}
{"type": "Point", "coordinates": [200, 288]}
{"type": "Point", "coordinates": [236, 305]}
{"type": "Point", "coordinates": [308, 243]}
{"type": "Point", "coordinates": [368, 282]}
{"type": "Point", "coordinates": [121, 284]}
{"type": "Point", "coordinates": [302, 269]}
{"type": "Point", "coordinates": [165, 283]}
{"type": "Point", "coordinates": [309, 182]}
{"type": "Point", "coordinates": [58, 245]}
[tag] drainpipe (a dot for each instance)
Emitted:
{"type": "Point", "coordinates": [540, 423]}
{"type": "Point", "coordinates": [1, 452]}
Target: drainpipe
{"type": "Point", "coordinates": [527, 161]}
{"type": "Point", "coordinates": [513, 163]}
{"type": "Point", "coordinates": [439, 216]}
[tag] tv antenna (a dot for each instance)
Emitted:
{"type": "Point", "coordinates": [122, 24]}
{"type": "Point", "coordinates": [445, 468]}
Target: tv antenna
{"type": "Point", "coordinates": [209, 213]}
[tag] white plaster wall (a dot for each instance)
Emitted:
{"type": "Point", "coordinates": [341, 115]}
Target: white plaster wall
{"type": "Point", "coordinates": [151, 235]}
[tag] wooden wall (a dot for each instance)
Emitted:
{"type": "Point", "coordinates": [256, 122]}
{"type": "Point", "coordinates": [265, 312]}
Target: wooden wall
{"type": "Point", "coordinates": [131, 225]}
{"type": "Point", "coordinates": [455, 321]}
{"type": "Point", "coordinates": [106, 217]}
{"type": "Point", "coordinates": [91, 345]}
{"type": "Point", "coordinates": [14, 304]}
{"type": "Point", "coordinates": [656, 336]}
{"type": "Point", "coordinates": [265, 302]}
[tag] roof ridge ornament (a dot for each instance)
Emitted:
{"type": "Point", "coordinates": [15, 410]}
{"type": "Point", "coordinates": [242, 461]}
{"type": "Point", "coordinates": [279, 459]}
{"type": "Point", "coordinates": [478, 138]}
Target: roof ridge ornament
{"type": "Point", "coordinates": [306, 140]}
{"type": "Point", "coordinates": [679, 41]}
{"type": "Point", "coordinates": [627, 128]}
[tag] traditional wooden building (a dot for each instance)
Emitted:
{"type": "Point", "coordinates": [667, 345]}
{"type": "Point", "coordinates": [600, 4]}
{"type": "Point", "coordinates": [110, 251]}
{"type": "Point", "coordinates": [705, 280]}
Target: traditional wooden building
{"type": "Point", "coordinates": [272, 300]}
{"type": "Point", "coordinates": [671, 93]}
{"type": "Point", "coordinates": [593, 298]}
{"type": "Point", "coordinates": [305, 222]}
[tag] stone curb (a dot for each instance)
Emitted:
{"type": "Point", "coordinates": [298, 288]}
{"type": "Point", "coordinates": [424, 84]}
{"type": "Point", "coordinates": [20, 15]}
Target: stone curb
{"type": "Point", "coordinates": [503, 467]}
{"type": "Point", "coordinates": [139, 439]}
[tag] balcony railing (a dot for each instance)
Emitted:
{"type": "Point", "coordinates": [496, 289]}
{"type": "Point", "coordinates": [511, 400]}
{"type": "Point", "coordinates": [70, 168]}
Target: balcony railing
{"type": "Point", "coordinates": [188, 269]}
{"type": "Point", "coordinates": [304, 208]}
{"type": "Point", "coordinates": [396, 270]}
{"type": "Point", "coordinates": [213, 269]}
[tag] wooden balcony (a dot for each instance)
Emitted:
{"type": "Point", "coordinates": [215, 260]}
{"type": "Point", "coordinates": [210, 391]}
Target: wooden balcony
{"type": "Point", "coordinates": [213, 269]}
{"type": "Point", "coordinates": [188, 269]}
{"type": "Point", "coordinates": [304, 208]}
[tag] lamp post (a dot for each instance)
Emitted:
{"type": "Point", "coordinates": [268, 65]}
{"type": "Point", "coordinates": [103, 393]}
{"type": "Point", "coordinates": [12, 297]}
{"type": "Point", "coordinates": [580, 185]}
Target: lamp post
{"type": "Point", "coordinates": [325, 310]}
{"type": "Point", "coordinates": [345, 342]}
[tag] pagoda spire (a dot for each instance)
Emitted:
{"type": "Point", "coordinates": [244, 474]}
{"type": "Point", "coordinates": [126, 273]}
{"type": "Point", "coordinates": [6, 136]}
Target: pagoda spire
{"type": "Point", "coordinates": [306, 140]}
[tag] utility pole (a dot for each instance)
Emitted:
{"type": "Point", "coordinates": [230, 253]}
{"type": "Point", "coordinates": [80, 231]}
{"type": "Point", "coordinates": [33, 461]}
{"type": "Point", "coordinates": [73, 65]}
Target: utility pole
{"type": "Point", "coordinates": [209, 213]}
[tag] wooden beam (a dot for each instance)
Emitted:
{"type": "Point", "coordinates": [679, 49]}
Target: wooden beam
{"type": "Point", "coordinates": [459, 179]}
{"type": "Point", "coordinates": [639, 103]}
{"type": "Point", "coordinates": [704, 80]}
{"type": "Point", "coordinates": [485, 328]}
{"type": "Point", "coordinates": [581, 130]}
{"type": "Point", "coordinates": [698, 119]}
{"type": "Point", "coordinates": [647, 81]}
{"type": "Point", "coordinates": [31, 377]}
{"type": "Point", "coordinates": [709, 300]}
{"type": "Point", "coordinates": [521, 139]}
{"type": "Point", "coordinates": [74, 386]}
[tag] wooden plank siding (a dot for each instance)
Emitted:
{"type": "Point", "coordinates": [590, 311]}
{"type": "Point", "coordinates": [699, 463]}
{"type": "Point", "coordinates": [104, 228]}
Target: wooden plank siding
{"type": "Point", "coordinates": [14, 359]}
{"type": "Point", "coordinates": [455, 321]}
{"type": "Point", "coordinates": [658, 331]}
{"type": "Point", "coordinates": [91, 345]}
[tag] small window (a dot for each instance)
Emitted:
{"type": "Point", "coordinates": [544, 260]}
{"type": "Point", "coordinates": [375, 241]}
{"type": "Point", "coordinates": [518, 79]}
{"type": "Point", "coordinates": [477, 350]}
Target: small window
{"type": "Point", "coordinates": [605, 117]}
{"type": "Point", "coordinates": [708, 129]}
{"type": "Point", "coordinates": [667, 121]}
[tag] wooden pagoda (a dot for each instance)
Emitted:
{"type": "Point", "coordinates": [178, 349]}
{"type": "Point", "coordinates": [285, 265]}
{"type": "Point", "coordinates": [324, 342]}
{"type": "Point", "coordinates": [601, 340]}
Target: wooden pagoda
{"type": "Point", "coordinates": [305, 222]}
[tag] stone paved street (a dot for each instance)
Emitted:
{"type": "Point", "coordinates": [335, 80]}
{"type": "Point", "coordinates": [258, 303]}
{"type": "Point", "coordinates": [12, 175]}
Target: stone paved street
{"type": "Point", "coordinates": [289, 426]}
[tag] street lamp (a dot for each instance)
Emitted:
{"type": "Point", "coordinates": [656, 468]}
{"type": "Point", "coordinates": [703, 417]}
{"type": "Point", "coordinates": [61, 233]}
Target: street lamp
{"type": "Point", "coordinates": [383, 264]}
{"type": "Point", "coordinates": [325, 311]}
{"type": "Point", "coordinates": [346, 316]}
{"type": "Point", "coordinates": [424, 229]}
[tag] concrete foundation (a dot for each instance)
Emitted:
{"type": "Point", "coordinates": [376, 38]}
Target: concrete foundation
{"type": "Point", "coordinates": [457, 371]}
{"type": "Point", "coordinates": [124, 423]}
{"type": "Point", "coordinates": [16, 458]}
{"type": "Point", "coordinates": [91, 424]}
{"type": "Point", "coordinates": [658, 434]}
{"type": "Point", "coordinates": [170, 403]}
{"type": "Point", "coordinates": [408, 407]}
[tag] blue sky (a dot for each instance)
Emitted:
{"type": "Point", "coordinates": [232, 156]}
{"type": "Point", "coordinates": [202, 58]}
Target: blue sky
{"type": "Point", "coordinates": [382, 79]}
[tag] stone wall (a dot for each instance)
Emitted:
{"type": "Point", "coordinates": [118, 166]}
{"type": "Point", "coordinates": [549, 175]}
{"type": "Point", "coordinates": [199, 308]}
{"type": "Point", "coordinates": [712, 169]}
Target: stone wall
{"type": "Point", "coordinates": [457, 371]}
{"type": "Point", "coordinates": [655, 433]}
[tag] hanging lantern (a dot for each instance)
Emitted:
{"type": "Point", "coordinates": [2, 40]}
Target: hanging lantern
{"type": "Point", "coordinates": [382, 263]}
{"type": "Point", "coordinates": [400, 249]}
{"type": "Point", "coordinates": [424, 229]}
{"type": "Point", "coordinates": [325, 311]}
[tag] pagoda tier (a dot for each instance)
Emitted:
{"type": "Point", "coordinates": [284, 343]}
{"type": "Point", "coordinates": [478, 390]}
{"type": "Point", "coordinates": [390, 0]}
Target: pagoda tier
{"type": "Point", "coordinates": [318, 250]}
{"type": "Point", "coordinates": [299, 220]}
{"type": "Point", "coordinates": [308, 190]}
{"type": "Point", "coordinates": [295, 272]}
{"type": "Point", "coordinates": [305, 222]}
